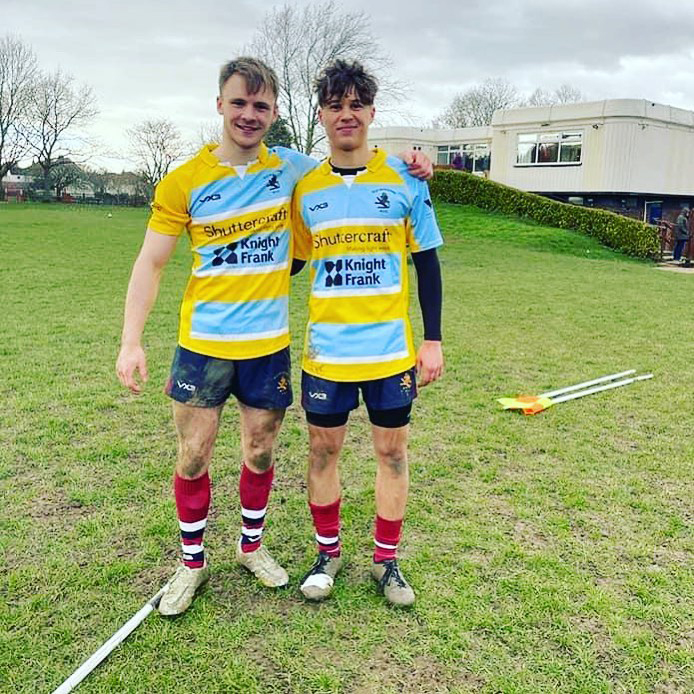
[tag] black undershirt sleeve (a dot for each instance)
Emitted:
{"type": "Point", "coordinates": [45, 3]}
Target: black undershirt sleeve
{"type": "Point", "coordinates": [429, 290]}
{"type": "Point", "coordinates": [297, 266]}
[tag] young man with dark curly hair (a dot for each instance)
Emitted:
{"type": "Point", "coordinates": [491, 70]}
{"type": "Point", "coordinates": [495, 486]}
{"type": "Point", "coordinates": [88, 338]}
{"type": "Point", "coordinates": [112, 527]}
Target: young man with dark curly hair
{"type": "Point", "coordinates": [356, 217]}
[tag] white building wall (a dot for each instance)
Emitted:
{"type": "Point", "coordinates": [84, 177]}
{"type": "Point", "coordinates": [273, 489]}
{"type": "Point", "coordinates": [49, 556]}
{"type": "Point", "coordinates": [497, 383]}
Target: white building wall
{"type": "Point", "coordinates": [629, 146]}
{"type": "Point", "coordinates": [399, 139]}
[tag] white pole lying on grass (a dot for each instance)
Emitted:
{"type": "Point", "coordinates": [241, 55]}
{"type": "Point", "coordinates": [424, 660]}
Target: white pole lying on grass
{"type": "Point", "coordinates": [585, 384]}
{"type": "Point", "coordinates": [103, 651]}
{"type": "Point", "coordinates": [597, 389]}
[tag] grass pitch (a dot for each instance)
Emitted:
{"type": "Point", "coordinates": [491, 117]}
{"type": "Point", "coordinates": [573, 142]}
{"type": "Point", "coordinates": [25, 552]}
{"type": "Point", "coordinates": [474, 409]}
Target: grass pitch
{"type": "Point", "coordinates": [549, 554]}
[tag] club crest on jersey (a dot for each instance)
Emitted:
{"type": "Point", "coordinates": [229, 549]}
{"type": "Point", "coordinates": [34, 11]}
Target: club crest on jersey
{"type": "Point", "coordinates": [383, 201]}
{"type": "Point", "coordinates": [272, 183]}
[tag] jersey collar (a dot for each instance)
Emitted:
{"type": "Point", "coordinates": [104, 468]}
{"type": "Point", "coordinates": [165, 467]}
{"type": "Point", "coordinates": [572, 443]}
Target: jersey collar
{"type": "Point", "coordinates": [375, 163]}
{"type": "Point", "coordinates": [206, 154]}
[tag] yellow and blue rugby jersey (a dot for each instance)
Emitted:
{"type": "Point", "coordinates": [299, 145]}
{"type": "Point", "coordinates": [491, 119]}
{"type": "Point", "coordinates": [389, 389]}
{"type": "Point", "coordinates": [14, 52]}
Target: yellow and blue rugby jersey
{"type": "Point", "coordinates": [236, 303]}
{"type": "Point", "coordinates": [357, 237]}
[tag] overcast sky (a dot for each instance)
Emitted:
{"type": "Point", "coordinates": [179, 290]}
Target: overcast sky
{"type": "Point", "coordinates": [150, 59]}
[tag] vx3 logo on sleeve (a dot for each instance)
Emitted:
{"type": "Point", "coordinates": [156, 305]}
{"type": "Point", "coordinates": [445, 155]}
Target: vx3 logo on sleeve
{"type": "Point", "coordinates": [209, 198]}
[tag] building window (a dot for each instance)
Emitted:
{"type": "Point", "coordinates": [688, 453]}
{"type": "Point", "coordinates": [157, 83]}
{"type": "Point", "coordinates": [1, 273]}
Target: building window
{"type": "Point", "coordinates": [537, 149]}
{"type": "Point", "coordinates": [473, 158]}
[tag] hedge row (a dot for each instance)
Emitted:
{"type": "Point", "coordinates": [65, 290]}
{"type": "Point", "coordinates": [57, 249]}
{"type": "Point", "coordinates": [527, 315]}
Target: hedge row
{"type": "Point", "coordinates": [621, 233]}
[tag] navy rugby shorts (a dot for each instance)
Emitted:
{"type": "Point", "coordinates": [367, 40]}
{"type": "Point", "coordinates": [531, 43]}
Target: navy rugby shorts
{"type": "Point", "coordinates": [202, 381]}
{"type": "Point", "coordinates": [331, 401]}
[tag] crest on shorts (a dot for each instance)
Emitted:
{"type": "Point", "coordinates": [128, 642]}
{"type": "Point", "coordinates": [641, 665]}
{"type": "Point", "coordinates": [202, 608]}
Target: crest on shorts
{"type": "Point", "coordinates": [406, 381]}
{"type": "Point", "coordinates": [283, 384]}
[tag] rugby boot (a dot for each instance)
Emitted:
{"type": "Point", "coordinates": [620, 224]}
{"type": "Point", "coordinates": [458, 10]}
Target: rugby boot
{"type": "Point", "coordinates": [392, 583]}
{"type": "Point", "coordinates": [181, 590]}
{"type": "Point", "coordinates": [318, 582]}
{"type": "Point", "coordinates": [263, 566]}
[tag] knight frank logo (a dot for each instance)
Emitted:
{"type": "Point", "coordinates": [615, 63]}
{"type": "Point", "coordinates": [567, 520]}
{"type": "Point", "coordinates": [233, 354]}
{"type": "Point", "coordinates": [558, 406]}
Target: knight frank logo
{"type": "Point", "coordinates": [272, 183]}
{"type": "Point", "coordinates": [225, 254]}
{"type": "Point", "coordinates": [336, 267]}
{"type": "Point", "coordinates": [248, 250]}
{"type": "Point", "coordinates": [356, 272]}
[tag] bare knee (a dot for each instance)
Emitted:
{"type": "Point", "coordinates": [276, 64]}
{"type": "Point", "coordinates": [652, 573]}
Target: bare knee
{"type": "Point", "coordinates": [259, 458]}
{"type": "Point", "coordinates": [393, 459]}
{"type": "Point", "coordinates": [193, 458]}
{"type": "Point", "coordinates": [322, 457]}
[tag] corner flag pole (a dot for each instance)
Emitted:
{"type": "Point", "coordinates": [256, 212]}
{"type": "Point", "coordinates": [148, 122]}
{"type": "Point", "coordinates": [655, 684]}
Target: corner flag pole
{"type": "Point", "coordinates": [598, 389]}
{"type": "Point", "coordinates": [103, 651]}
{"type": "Point", "coordinates": [533, 404]}
{"type": "Point", "coordinates": [586, 384]}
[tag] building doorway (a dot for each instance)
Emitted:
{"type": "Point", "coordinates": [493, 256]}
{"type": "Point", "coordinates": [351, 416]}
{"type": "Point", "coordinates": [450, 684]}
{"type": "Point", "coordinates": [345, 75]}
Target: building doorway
{"type": "Point", "coordinates": [653, 211]}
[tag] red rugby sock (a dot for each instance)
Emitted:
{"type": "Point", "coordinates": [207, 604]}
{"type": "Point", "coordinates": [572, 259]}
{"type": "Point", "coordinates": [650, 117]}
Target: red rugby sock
{"type": "Point", "coordinates": [386, 538]}
{"type": "Point", "coordinates": [326, 521]}
{"type": "Point", "coordinates": [192, 505]}
{"type": "Point", "coordinates": [254, 489]}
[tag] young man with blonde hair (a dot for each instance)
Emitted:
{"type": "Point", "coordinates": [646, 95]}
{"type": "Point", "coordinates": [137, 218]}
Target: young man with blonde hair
{"type": "Point", "coordinates": [233, 201]}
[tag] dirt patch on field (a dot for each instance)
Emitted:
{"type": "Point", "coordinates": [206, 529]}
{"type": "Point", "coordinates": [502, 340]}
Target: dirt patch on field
{"type": "Point", "coordinates": [56, 505]}
{"type": "Point", "coordinates": [527, 535]}
{"type": "Point", "coordinates": [383, 672]}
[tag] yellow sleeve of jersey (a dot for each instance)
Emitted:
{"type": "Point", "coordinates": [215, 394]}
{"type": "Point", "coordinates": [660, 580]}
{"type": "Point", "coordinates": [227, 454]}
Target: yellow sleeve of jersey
{"type": "Point", "coordinates": [301, 233]}
{"type": "Point", "coordinates": [170, 207]}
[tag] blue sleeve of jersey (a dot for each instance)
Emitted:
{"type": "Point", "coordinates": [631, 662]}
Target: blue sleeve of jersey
{"type": "Point", "coordinates": [424, 229]}
{"type": "Point", "coordinates": [301, 163]}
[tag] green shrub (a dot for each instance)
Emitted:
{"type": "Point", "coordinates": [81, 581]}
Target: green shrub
{"type": "Point", "coordinates": [621, 233]}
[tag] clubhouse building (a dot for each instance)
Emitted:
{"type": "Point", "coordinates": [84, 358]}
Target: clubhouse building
{"type": "Point", "coordinates": [631, 156]}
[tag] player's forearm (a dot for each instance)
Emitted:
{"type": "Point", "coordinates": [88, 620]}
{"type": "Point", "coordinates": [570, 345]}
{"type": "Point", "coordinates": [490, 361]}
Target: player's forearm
{"type": "Point", "coordinates": [142, 293]}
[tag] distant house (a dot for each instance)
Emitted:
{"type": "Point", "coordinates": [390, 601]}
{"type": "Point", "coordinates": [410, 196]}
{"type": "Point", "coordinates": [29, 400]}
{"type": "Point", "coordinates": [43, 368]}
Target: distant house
{"type": "Point", "coordinates": [628, 155]}
{"type": "Point", "coordinates": [15, 186]}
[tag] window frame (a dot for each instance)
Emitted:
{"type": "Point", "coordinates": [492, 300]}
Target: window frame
{"type": "Point", "coordinates": [465, 149]}
{"type": "Point", "coordinates": [549, 138]}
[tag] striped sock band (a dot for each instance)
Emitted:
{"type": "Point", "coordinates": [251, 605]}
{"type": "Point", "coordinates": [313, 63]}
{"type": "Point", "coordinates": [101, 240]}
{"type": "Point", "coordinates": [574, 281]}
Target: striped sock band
{"type": "Point", "coordinates": [326, 521]}
{"type": "Point", "coordinates": [386, 538]}
{"type": "Point", "coordinates": [254, 490]}
{"type": "Point", "coordinates": [192, 506]}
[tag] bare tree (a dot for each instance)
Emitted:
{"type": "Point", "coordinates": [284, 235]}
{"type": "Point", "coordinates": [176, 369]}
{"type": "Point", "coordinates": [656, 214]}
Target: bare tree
{"type": "Point", "coordinates": [17, 74]}
{"type": "Point", "coordinates": [540, 97]}
{"type": "Point", "coordinates": [564, 94]}
{"type": "Point", "coordinates": [476, 106]}
{"type": "Point", "coordinates": [209, 132]}
{"type": "Point", "coordinates": [155, 145]}
{"type": "Point", "coordinates": [298, 43]}
{"type": "Point", "coordinates": [58, 109]}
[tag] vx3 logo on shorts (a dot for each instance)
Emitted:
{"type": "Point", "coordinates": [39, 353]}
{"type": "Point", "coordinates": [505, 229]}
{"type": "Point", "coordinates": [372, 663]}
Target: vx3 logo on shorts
{"type": "Point", "coordinates": [317, 395]}
{"type": "Point", "coordinates": [232, 258]}
{"type": "Point", "coordinates": [185, 386]}
{"type": "Point", "coordinates": [319, 206]}
{"type": "Point", "coordinates": [336, 280]}
{"type": "Point", "coordinates": [208, 198]}
{"type": "Point", "coordinates": [382, 201]}
{"type": "Point", "coordinates": [272, 183]}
